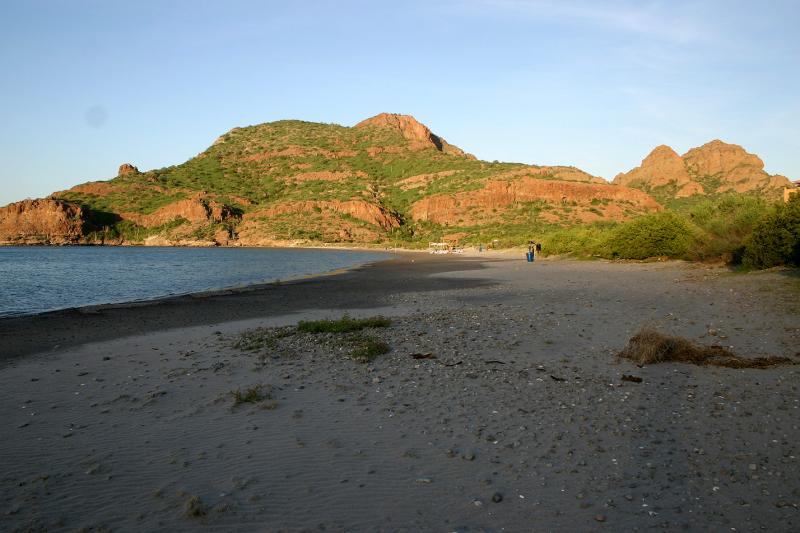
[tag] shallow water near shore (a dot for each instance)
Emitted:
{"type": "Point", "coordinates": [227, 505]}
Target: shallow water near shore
{"type": "Point", "coordinates": [39, 279]}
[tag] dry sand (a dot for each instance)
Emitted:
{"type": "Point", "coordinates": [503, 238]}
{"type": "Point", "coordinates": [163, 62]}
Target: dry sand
{"type": "Point", "coordinates": [520, 423]}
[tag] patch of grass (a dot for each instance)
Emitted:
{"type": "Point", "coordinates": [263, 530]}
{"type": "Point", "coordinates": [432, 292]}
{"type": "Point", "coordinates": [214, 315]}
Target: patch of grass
{"type": "Point", "coordinates": [366, 349]}
{"type": "Point", "coordinates": [649, 347]}
{"type": "Point", "coordinates": [254, 394]}
{"type": "Point", "coordinates": [260, 338]}
{"type": "Point", "coordinates": [343, 325]}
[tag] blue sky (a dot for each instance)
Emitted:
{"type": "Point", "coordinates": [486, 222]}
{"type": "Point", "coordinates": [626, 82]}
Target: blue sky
{"type": "Point", "coordinates": [87, 85]}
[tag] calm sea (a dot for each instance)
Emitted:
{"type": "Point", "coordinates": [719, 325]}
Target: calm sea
{"type": "Point", "coordinates": [36, 279]}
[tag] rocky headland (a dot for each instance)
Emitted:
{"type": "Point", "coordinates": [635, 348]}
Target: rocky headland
{"type": "Point", "coordinates": [387, 179]}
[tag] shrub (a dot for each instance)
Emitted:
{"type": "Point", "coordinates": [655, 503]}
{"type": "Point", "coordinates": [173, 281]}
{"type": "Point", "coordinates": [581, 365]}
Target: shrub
{"type": "Point", "coordinates": [659, 234]}
{"type": "Point", "coordinates": [776, 239]}
{"type": "Point", "coordinates": [585, 240]}
{"type": "Point", "coordinates": [723, 225]}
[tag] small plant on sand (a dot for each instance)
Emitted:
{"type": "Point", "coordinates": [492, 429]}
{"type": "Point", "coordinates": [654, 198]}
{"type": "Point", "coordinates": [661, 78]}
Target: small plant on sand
{"type": "Point", "coordinates": [649, 346]}
{"type": "Point", "coordinates": [343, 325]}
{"type": "Point", "coordinates": [194, 508]}
{"type": "Point", "coordinates": [366, 349]}
{"type": "Point", "coordinates": [254, 394]}
{"type": "Point", "coordinates": [257, 339]}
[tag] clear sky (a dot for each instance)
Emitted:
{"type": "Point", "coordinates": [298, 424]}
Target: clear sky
{"type": "Point", "coordinates": [87, 85]}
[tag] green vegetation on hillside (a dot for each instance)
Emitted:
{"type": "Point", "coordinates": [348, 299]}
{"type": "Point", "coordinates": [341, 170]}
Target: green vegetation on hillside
{"type": "Point", "coordinates": [288, 180]}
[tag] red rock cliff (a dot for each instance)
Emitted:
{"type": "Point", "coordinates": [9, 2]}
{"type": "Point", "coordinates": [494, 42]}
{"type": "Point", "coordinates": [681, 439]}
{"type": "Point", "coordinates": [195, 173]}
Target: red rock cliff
{"type": "Point", "coordinates": [500, 195]}
{"type": "Point", "coordinates": [46, 221]}
{"type": "Point", "coordinates": [196, 209]}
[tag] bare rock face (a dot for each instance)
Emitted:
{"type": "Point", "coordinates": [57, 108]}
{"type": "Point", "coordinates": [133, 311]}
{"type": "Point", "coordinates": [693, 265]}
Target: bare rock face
{"type": "Point", "coordinates": [660, 168]}
{"type": "Point", "coordinates": [499, 196]}
{"type": "Point", "coordinates": [729, 165]}
{"type": "Point", "coordinates": [126, 169]}
{"type": "Point", "coordinates": [410, 128]}
{"type": "Point", "coordinates": [197, 209]}
{"type": "Point", "coordinates": [45, 221]}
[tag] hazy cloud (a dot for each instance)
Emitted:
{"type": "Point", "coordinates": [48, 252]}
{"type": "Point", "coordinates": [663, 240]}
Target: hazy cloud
{"type": "Point", "coordinates": [665, 21]}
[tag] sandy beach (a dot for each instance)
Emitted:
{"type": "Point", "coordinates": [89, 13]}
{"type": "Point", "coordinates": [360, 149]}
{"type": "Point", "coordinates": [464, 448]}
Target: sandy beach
{"type": "Point", "coordinates": [499, 407]}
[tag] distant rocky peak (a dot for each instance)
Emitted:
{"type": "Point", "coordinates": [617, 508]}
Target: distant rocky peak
{"type": "Point", "coordinates": [661, 167]}
{"type": "Point", "coordinates": [408, 126]}
{"type": "Point", "coordinates": [718, 157]}
{"type": "Point", "coordinates": [715, 167]}
{"type": "Point", "coordinates": [661, 152]}
{"type": "Point", "coordinates": [412, 130]}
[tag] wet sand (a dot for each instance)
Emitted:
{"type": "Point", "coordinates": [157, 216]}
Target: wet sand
{"type": "Point", "coordinates": [519, 421]}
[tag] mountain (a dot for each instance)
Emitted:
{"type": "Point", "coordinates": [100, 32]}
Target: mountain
{"type": "Point", "coordinates": [388, 178]}
{"type": "Point", "coordinates": [714, 168]}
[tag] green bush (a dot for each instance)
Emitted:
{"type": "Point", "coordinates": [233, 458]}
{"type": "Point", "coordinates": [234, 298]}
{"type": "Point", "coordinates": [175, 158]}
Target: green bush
{"type": "Point", "coordinates": [588, 240]}
{"type": "Point", "coordinates": [722, 225]}
{"type": "Point", "coordinates": [655, 235]}
{"type": "Point", "coordinates": [776, 239]}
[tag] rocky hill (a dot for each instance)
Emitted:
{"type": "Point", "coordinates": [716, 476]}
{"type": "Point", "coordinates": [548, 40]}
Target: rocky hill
{"type": "Point", "coordinates": [388, 178]}
{"type": "Point", "coordinates": [714, 168]}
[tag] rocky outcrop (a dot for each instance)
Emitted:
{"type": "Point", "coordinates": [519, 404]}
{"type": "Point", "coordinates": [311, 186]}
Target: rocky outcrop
{"type": "Point", "coordinates": [728, 167]}
{"type": "Point", "coordinates": [498, 196]}
{"type": "Point", "coordinates": [661, 167]}
{"type": "Point", "coordinates": [298, 222]}
{"type": "Point", "coordinates": [198, 209]}
{"type": "Point", "coordinates": [719, 158]}
{"type": "Point", "coordinates": [126, 169]}
{"type": "Point", "coordinates": [45, 221]}
{"type": "Point", "coordinates": [360, 209]}
{"type": "Point", "coordinates": [411, 129]}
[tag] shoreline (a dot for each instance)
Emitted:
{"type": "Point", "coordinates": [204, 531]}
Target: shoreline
{"type": "Point", "coordinates": [199, 293]}
{"type": "Point", "coordinates": [488, 254]}
{"type": "Point", "coordinates": [58, 329]}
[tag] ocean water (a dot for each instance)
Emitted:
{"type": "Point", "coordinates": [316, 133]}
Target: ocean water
{"type": "Point", "coordinates": [46, 278]}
